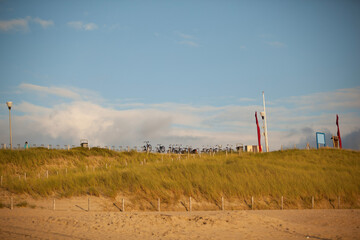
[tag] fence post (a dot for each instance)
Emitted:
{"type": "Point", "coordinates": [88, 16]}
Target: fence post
{"type": "Point", "coordinates": [189, 204]}
{"type": "Point", "coordinates": [159, 204]}
{"type": "Point", "coordinates": [252, 203]}
{"type": "Point", "coordinates": [123, 205]}
{"type": "Point", "coordinates": [47, 173]}
{"type": "Point", "coordinates": [11, 203]}
{"type": "Point", "coordinates": [222, 204]}
{"type": "Point", "coordinates": [312, 202]}
{"type": "Point", "coordinates": [282, 202]}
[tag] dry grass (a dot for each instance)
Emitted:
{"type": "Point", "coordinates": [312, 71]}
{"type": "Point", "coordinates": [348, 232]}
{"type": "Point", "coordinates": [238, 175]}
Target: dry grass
{"type": "Point", "coordinates": [297, 174]}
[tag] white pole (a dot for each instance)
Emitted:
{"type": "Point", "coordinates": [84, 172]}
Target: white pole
{"type": "Point", "coordinates": [9, 106]}
{"type": "Point", "coordinates": [265, 127]}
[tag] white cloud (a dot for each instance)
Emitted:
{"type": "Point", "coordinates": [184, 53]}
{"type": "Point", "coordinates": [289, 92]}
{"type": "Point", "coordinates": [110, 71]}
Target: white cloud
{"type": "Point", "coordinates": [82, 26]}
{"type": "Point", "coordinates": [189, 43]}
{"type": "Point", "coordinates": [246, 99]}
{"type": "Point", "coordinates": [184, 36]}
{"type": "Point", "coordinates": [276, 44]}
{"type": "Point", "coordinates": [20, 24]}
{"type": "Point", "coordinates": [62, 92]}
{"type": "Point", "coordinates": [186, 39]}
{"type": "Point", "coordinates": [90, 26]}
{"type": "Point", "coordinates": [340, 99]}
{"type": "Point", "coordinates": [43, 23]}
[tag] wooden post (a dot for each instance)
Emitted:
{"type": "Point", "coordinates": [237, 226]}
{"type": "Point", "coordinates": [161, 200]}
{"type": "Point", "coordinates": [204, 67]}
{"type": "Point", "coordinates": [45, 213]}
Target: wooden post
{"type": "Point", "coordinates": [282, 202]}
{"type": "Point", "coordinates": [54, 204]}
{"type": "Point", "coordinates": [189, 204]}
{"type": "Point", "coordinates": [281, 147]}
{"type": "Point", "coordinates": [222, 204]}
{"type": "Point", "coordinates": [123, 205]}
{"type": "Point", "coordinates": [88, 204]}
{"type": "Point", "coordinates": [11, 203]}
{"type": "Point", "coordinates": [159, 204]}
{"type": "Point", "coordinates": [338, 202]}
{"type": "Point", "coordinates": [252, 203]}
{"type": "Point", "coordinates": [312, 202]}
{"type": "Point", "coordinates": [47, 173]}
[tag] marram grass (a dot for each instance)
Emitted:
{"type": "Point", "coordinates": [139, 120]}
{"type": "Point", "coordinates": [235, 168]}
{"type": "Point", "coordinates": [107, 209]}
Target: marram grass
{"type": "Point", "coordinates": [297, 174]}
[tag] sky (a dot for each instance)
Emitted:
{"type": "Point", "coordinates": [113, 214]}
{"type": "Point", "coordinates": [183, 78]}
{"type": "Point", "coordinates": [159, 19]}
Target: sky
{"type": "Point", "coordinates": [119, 73]}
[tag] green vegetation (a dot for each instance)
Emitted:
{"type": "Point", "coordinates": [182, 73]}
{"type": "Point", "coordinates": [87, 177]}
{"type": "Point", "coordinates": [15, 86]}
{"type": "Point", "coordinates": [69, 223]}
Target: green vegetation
{"type": "Point", "coordinates": [297, 174]}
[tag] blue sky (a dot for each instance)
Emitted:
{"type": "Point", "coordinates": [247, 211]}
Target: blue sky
{"type": "Point", "coordinates": [189, 72]}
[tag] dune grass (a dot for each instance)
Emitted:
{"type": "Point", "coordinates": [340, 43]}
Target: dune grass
{"type": "Point", "coordinates": [325, 173]}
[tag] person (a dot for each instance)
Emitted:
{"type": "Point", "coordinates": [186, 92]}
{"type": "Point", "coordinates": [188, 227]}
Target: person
{"type": "Point", "coordinates": [26, 146]}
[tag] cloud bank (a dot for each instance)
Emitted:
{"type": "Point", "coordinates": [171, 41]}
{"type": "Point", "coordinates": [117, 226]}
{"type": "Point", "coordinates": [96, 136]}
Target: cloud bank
{"type": "Point", "coordinates": [290, 121]}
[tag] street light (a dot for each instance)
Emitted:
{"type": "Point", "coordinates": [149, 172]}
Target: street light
{"type": "Point", "coordinates": [9, 104]}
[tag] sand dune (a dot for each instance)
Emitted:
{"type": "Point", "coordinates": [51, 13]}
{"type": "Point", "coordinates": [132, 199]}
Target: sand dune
{"type": "Point", "coordinates": [25, 223]}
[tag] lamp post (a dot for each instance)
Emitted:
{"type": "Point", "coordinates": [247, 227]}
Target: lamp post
{"type": "Point", "coordinates": [9, 104]}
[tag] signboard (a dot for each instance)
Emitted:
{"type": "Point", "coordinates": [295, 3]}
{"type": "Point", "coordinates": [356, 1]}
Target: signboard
{"type": "Point", "coordinates": [320, 139]}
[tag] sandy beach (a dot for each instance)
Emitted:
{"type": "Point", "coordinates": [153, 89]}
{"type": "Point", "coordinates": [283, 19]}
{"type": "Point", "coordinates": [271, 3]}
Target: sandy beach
{"type": "Point", "coordinates": [26, 223]}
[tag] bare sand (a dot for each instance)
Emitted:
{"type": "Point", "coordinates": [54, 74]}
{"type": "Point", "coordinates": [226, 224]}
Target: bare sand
{"type": "Point", "coordinates": [27, 223]}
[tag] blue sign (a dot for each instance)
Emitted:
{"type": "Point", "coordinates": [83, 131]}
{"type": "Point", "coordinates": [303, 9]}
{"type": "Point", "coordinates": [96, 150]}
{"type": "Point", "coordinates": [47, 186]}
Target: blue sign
{"type": "Point", "coordinates": [320, 139]}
